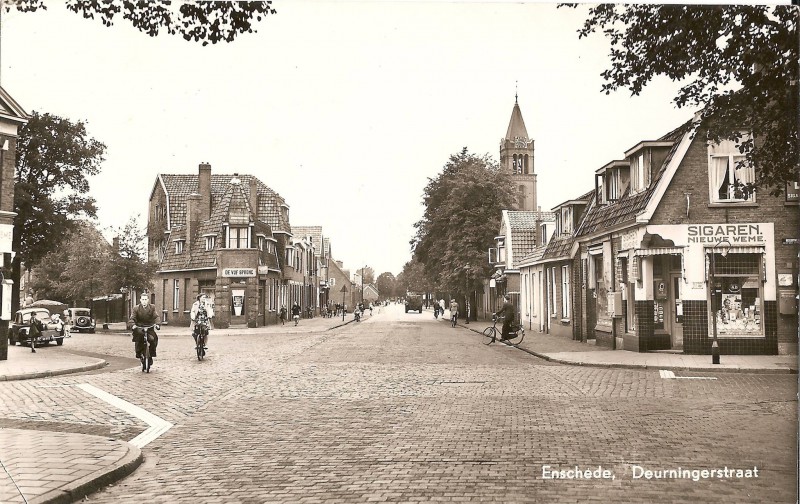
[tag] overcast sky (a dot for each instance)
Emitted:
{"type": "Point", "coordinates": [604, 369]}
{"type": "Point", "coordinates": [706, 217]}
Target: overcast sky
{"type": "Point", "coordinates": [344, 108]}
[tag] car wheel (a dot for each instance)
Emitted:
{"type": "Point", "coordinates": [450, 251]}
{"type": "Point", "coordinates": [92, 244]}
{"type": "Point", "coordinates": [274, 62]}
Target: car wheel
{"type": "Point", "coordinates": [59, 341]}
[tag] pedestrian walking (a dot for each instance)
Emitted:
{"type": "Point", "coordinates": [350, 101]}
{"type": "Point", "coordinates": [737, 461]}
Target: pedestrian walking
{"type": "Point", "coordinates": [296, 313]}
{"type": "Point", "coordinates": [283, 315]}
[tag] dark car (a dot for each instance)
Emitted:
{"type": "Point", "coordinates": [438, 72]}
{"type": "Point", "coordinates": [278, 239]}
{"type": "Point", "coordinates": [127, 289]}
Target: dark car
{"type": "Point", "coordinates": [80, 320]}
{"type": "Point", "coordinates": [414, 303]}
{"type": "Point", "coordinates": [52, 327]}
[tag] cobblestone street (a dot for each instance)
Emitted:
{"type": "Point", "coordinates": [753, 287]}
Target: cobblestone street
{"type": "Point", "coordinates": [404, 408]}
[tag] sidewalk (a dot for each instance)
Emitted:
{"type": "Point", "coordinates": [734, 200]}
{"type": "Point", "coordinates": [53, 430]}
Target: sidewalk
{"type": "Point", "coordinates": [59, 467]}
{"type": "Point", "coordinates": [566, 351]}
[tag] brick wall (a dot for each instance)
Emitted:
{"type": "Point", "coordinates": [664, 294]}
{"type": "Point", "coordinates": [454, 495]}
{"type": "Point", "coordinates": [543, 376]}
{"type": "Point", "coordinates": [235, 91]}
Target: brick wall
{"type": "Point", "coordinates": [692, 177]}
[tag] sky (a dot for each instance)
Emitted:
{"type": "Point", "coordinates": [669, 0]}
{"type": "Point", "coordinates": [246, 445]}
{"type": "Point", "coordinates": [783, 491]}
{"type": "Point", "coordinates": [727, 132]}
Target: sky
{"type": "Point", "coordinates": [346, 109]}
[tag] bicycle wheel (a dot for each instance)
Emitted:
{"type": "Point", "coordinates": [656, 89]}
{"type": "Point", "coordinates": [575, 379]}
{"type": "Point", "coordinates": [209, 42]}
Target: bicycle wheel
{"type": "Point", "coordinates": [516, 338]}
{"type": "Point", "coordinates": [489, 335]}
{"type": "Point", "coordinates": [147, 359]}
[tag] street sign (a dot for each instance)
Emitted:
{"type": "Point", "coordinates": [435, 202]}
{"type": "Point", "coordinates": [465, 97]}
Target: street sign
{"type": "Point", "coordinates": [344, 288]}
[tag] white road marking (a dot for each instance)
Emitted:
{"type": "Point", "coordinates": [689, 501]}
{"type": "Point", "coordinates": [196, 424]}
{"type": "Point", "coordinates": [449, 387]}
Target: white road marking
{"type": "Point", "coordinates": [669, 375]}
{"type": "Point", "coordinates": [158, 425]}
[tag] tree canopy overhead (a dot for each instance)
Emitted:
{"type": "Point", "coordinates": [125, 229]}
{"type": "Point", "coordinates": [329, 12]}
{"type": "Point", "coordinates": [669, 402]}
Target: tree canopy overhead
{"type": "Point", "coordinates": [737, 63]}
{"type": "Point", "coordinates": [463, 208]}
{"type": "Point", "coordinates": [198, 21]}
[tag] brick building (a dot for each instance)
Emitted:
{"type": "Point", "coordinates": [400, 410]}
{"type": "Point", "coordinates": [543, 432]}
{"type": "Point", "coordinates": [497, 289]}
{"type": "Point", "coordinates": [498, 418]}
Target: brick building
{"type": "Point", "coordinates": [12, 117]}
{"type": "Point", "coordinates": [227, 236]}
{"type": "Point", "coordinates": [670, 241]}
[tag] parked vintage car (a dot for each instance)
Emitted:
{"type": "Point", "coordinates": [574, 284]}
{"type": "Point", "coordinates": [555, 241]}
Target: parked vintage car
{"type": "Point", "coordinates": [53, 327]}
{"type": "Point", "coordinates": [79, 320]}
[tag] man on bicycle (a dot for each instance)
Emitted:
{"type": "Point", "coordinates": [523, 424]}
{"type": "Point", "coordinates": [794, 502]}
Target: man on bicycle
{"type": "Point", "coordinates": [144, 314]}
{"type": "Point", "coordinates": [507, 314]}
{"type": "Point", "coordinates": [201, 315]}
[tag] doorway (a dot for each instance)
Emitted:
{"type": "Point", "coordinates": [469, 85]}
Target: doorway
{"type": "Point", "coordinates": [675, 319]}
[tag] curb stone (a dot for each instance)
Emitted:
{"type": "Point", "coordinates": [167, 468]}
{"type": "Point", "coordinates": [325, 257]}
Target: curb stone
{"type": "Point", "coordinates": [79, 489]}
{"type": "Point", "coordinates": [737, 369]}
{"type": "Point", "coordinates": [46, 374]}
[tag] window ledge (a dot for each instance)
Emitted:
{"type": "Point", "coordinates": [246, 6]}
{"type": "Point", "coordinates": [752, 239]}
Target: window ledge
{"type": "Point", "coordinates": [732, 204]}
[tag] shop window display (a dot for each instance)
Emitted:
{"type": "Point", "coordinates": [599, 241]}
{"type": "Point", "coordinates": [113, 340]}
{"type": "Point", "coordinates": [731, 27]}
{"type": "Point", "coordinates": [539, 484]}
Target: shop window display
{"type": "Point", "coordinates": [737, 299]}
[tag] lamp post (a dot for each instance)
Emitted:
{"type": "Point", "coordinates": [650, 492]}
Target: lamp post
{"type": "Point", "coordinates": [124, 291]}
{"type": "Point", "coordinates": [467, 269]}
{"type": "Point", "coordinates": [362, 284]}
{"type": "Point", "coordinates": [712, 282]}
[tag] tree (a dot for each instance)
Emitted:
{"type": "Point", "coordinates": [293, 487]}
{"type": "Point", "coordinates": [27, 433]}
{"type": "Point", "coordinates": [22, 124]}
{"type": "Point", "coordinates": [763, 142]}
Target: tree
{"type": "Point", "coordinates": [197, 21]}
{"type": "Point", "coordinates": [73, 271]}
{"type": "Point", "coordinates": [368, 274]}
{"type": "Point", "coordinates": [412, 278]}
{"type": "Point", "coordinates": [386, 284]}
{"type": "Point", "coordinates": [54, 158]}
{"type": "Point", "coordinates": [128, 267]}
{"type": "Point", "coordinates": [738, 63]}
{"type": "Point", "coordinates": [463, 208]}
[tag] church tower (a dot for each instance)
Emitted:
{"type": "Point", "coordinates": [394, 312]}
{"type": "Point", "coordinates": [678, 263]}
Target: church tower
{"type": "Point", "coordinates": [516, 158]}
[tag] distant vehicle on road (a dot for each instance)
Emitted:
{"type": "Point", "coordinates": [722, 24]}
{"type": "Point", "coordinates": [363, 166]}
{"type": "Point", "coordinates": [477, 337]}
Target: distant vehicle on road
{"type": "Point", "coordinates": [414, 303]}
{"type": "Point", "coordinates": [80, 319]}
{"type": "Point", "coordinates": [53, 327]}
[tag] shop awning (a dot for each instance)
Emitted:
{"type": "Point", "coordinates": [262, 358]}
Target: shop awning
{"type": "Point", "coordinates": [658, 251]}
{"type": "Point", "coordinates": [739, 249]}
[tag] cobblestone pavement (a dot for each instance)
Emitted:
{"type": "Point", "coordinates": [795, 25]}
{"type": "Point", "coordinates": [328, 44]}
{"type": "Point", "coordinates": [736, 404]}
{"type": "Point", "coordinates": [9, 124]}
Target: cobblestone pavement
{"type": "Point", "coordinates": [400, 408]}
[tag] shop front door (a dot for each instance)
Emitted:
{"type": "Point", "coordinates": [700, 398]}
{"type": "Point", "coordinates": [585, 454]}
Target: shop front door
{"type": "Point", "coordinates": [676, 312]}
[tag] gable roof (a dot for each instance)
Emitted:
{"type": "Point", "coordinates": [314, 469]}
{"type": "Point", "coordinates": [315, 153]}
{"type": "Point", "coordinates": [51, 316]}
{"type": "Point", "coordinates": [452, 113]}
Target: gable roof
{"type": "Point", "coordinates": [315, 232]}
{"type": "Point", "coordinates": [10, 110]}
{"type": "Point", "coordinates": [195, 255]}
{"type": "Point", "coordinates": [178, 186]}
{"type": "Point", "coordinates": [520, 228]}
{"type": "Point", "coordinates": [627, 207]}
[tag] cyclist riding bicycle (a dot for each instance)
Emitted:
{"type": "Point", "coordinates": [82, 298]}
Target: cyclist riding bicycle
{"type": "Point", "coordinates": [507, 314]}
{"type": "Point", "coordinates": [144, 314]}
{"type": "Point", "coordinates": [201, 315]}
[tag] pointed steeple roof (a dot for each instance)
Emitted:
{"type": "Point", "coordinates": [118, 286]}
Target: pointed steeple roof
{"type": "Point", "coordinates": [516, 127]}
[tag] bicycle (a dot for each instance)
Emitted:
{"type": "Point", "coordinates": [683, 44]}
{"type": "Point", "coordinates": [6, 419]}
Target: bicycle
{"type": "Point", "coordinates": [513, 339]}
{"type": "Point", "coordinates": [145, 358]}
{"type": "Point", "coordinates": [200, 340]}
{"type": "Point", "coordinates": [453, 319]}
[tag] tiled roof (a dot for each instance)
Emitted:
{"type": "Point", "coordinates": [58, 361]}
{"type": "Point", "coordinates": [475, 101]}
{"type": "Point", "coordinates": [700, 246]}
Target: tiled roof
{"type": "Point", "coordinates": [195, 254]}
{"type": "Point", "coordinates": [522, 226]}
{"type": "Point", "coordinates": [315, 232]}
{"type": "Point", "coordinates": [559, 247]}
{"type": "Point", "coordinates": [178, 187]}
{"type": "Point", "coordinates": [626, 208]}
{"type": "Point", "coordinates": [535, 255]}
{"type": "Point", "coordinates": [521, 219]}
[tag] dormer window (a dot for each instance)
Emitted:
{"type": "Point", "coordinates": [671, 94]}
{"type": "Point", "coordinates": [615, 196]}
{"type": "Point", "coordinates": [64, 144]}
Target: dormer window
{"type": "Point", "coordinates": [238, 237]}
{"type": "Point", "coordinates": [612, 185]}
{"type": "Point", "coordinates": [211, 242]}
{"type": "Point", "coordinates": [640, 173]}
{"type": "Point", "coordinates": [179, 246]}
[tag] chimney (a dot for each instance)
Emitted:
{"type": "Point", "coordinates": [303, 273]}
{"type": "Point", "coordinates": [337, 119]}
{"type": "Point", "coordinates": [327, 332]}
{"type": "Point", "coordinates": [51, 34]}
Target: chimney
{"type": "Point", "coordinates": [204, 188]}
{"type": "Point", "coordinates": [193, 205]}
{"type": "Point", "coordinates": [254, 197]}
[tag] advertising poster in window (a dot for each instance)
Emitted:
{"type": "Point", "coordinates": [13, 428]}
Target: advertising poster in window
{"type": "Point", "coordinates": [238, 301]}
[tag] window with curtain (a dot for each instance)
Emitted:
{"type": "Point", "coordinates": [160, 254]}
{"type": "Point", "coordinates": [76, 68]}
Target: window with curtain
{"type": "Point", "coordinates": [553, 307]}
{"type": "Point", "coordinates": [176, 294]}
{"type": "Point", "coordinates": [728, 174]}
{"type": "Point", "coordinates": [237, 237]}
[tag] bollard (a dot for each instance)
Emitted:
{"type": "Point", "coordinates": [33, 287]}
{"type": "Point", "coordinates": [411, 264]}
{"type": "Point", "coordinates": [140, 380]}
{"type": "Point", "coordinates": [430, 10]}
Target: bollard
{"type": "Point", "coordinates": [714, 352]}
